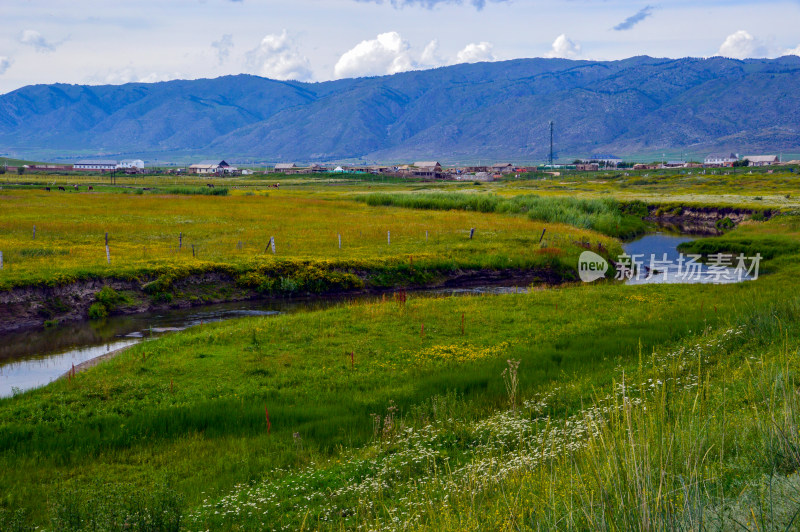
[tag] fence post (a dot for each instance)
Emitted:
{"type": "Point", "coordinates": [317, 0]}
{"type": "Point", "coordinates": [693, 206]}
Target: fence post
{"type": "Point", "coordinates": [1, 260]}
{"type": "Point", "coordinates": [192, 250]}
{"type": "Point", "coordinates": [108, 253]}
{"type": "Point", "coordinates": [471, 233]}
{"type": "Point", "coordinates": [272, 244]}
{"type": "Point", "coordinates": [340, 241]}
{"type": "Point", "coordinates": [34, 232]}
{"type": "Point", "coordinates": [180, 240]}
{"type": "Point", "coordinates": [426, 236]}
{"type": "Point", "coordinates": [388, 237]}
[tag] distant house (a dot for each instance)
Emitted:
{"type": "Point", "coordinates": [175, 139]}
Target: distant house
{"type": "Point", "coordinates": [721, 159]}
{"type": "Point", "coordinates": [761, 160]}
{"type": "Point", "coordinates": [606, 158]}
{"type": "Point", "coordinates": [675, 164]}
{"type": "Point", "coordinates": [137, 164]}
{"type": "Point", "coordinates": [285, 168]}
{"type": "Point", "coordinates": [503, 168]}
{"type": "Point", "coordinates": [318, 169]}
{"type": "Point", "coordinates": [96, 165]}
{"type": "Point", "coordinates": [427, 169]}
{"type": "Point", "coordinates": [587, 167]}
{"type": "Point", "coordinates": [209, 167]}
{"type": "Point", "coordinates": [641, 166]}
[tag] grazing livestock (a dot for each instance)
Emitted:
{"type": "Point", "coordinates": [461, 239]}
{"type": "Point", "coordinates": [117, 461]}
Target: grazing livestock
{"type": "Point", "coordinates": [209, 185]}
{"type": "Point", "coordinates": [91, 187]}
{"type": "Point", "coordinates": [76, 188]}
{"type": "Point", "coordinates": [47, 189]}
{"type": "Point", "coordinates": [62, 189]}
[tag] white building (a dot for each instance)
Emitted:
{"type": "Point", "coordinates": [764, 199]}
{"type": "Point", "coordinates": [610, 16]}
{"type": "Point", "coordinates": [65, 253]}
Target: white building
{"type": "Point", "coordinates": [95, 165]}
{"type": "Point", "coordinates": [721, 159]}
{"type": "Point", "coordinates": [137, 164]}
{"type": "Point", "coordinates": [208, 167]}
{"type": "Point", "coordinates": [761, 160]}
{"type": "Point", "coordinates": [606, 158]}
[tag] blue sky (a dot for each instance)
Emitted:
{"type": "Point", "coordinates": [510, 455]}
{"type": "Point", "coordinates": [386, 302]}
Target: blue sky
{"type": "Point", "coordinates": [117, 41]}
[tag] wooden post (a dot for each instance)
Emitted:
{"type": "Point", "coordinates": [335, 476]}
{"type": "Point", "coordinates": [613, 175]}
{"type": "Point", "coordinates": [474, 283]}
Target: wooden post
{"type": "Point", "coordinates": [388, 237]}
{"type": "Point", "coordinates": [340, 241]}
{"type": "Point", "coordinates": [462, 324]}
{"type": "Point", "coordinates": [471, 233]}
{"type": "Point", "coordinates": [108, 255]}
{"type": "Point", "coordinates": [180, 240]}
{"type": "Point", "coordinates": [193, 251]}
{"type": "Point", "coordinates": [34, 232]}
{"type": "Point", "coordinates": [272, 244]}
{"type": "Point", "coordinates": [541, 237]}
{"type": "Point", "coordinates": [426, 236]}
{"type": "Point", "coordinates": [1, 260]}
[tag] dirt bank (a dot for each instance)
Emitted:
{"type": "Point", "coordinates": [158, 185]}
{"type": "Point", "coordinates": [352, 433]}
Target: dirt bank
{"type": "Point", "coordinates": [34, 307]}
{"type": "Point", "coordinates": [701, 220]}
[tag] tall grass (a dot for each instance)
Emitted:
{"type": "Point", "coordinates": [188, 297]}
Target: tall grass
{"type": "Point", "coordinates": [603, 215]}
{"type": "Point", "coordinates": [191, 191]}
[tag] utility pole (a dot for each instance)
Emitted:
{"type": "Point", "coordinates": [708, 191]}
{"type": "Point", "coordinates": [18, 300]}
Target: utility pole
{"type": "Point", "coordinates": [551, 144]}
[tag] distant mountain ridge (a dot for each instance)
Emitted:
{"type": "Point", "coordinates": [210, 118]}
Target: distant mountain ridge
{"type": "Point", "coordinates": [496, 110]}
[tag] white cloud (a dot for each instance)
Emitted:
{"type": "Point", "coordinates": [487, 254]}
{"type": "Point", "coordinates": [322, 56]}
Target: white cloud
{"type": "Point", "coordinates": [742, 45]}
{"type": "Point", "coordinates": [223, 47]}
{"type": "Point", "coordinates": [563, 47]}
{"type": "Point", "coordinates": [36, 40]}
{"type": "Point", "coordinates": [129, 74]}
{"type": "Point", "coordinates": [796, 51]}
{"type": "Point", "coordinates": [388, 53]}
{"type": "Point", "coordinates": [277, 57]}
{"type": "Point", "coordinates": [475, 52]}
{"type": "Point", "coordinates": [430, 55]}
{"type": "Point", "coordinates": [5, 64]}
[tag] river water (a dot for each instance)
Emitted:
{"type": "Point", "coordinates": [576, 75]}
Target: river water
{"type": "Point", "coordinates": [31, 359]}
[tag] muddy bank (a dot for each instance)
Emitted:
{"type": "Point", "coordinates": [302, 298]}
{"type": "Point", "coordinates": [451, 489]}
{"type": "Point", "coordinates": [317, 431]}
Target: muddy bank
{"type": "Point", "coordinates": [36, 307]}
{"type": "Point", "coordinates": [702, 220]}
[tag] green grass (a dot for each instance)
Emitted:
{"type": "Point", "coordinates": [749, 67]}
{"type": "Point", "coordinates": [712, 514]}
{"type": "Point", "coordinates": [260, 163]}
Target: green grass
{"type": "Point", "coordinates": [636, 407]}
{"type": "Point", "coordinates": [193, 405]}
{"type": "Point", "coordinates": [605, 216]}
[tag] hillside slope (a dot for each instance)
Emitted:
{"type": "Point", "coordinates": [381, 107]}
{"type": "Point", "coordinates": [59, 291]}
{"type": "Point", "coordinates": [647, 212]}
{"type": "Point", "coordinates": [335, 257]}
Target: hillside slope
{"type": "Point", "coordinates": [462, 112]}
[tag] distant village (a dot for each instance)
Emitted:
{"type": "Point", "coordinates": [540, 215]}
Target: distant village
{"type": "Point", "coordinates": [419, 169]}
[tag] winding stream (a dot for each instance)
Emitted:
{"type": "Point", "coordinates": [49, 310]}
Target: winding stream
{"type": "Point", "coordinates": [31, 359]}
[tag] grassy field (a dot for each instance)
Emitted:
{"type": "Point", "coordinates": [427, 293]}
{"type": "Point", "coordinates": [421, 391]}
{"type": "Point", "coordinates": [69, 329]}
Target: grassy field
{"type": "Point", "coordinates": [603, 406]}
{"type": "Point", "coordinates": [146, 230]}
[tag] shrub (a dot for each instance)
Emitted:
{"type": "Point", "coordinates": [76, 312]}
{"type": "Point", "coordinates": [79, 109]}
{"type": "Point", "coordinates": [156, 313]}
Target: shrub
{"type": "Point", "coordinates": [106, 300]}
{"type": "Point", "coordinates": [97, 311]}
{"type": "Point", "coordinates": [725, 224]}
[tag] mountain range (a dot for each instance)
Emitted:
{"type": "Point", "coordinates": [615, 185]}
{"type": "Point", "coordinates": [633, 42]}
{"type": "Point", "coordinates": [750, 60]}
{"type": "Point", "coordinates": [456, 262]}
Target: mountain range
{"type": "Point", "coordinates": [467, 112]}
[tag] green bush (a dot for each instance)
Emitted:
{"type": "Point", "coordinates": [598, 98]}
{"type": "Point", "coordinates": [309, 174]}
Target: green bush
{"type": "Point", "coordinates": [106, 300]}
{"type": "Point", "coordinates": [725, 224]}
{"type": "Point", "coordinates": [97, 311]}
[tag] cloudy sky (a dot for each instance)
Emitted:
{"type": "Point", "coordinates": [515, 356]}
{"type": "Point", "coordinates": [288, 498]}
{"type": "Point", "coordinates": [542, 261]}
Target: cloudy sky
{"type": "Point", "coordinates": [117, 41]}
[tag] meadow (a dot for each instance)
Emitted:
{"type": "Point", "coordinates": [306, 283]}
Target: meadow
{"type": "Point", "coordinates": [602, 406]}
{"type": "Point", "coordinates": [180, 234]}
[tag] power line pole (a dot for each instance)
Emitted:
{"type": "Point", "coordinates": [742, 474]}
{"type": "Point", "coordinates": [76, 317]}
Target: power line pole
{"type": "Point", "coordinates": [551, 144]}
